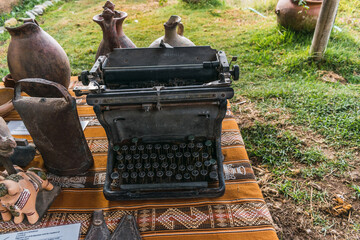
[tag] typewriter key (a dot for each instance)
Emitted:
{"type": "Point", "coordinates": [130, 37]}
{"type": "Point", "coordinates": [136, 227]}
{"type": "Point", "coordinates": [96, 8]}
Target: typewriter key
{"type": "Point", "coordinates": [178, 177]}
{"type": "Point", "coordinates": [133, 176]}
{"type": "Point", "coordinates": [157, 148]}
{"type": "Point", "coordinates": [133, 149]}
{"type": "Point", "coordinates": [213, 175]}
{"type": "Point", "coordinates": [199, 146]}
{"type": "Point", "coordinates": [195, 156]}
{"type": "Point", "coordinates": [120, 158]}
{"type": "Point", "coordinates": [187, 155]}
{"type": "Point", "coordinates": [170, 156]}
{"type": "Point", "coordinates": [190, 168]}
{"type": "Point", "coordinates": [162, 157]}
{"type": "Point", "coordinates": [164, 165]}
{"type": "Point", "coordinates": [174, 148]}
{"type": "Point", "coordinates": [149, 148]}
{"type": "Point", "coordinates": [191, 147]}
{"type": "Point", "coordinates": [141, 148]}
{"type": "Point", "coordinates": [213, 161]}
{"type": "Point", "coordinates": [204, 156]}
{"type": "Point", "coordinates": [195, 173]}
{"type": "Point", "coordinates": [208, 145]}
{"type": "Point", "coordinates": [153, 156]}
{"type": "Point", "coordinates": [191, 138]}
{"type": "Point", "coordinates": [182, 147]}
{"type": "Point", "coordinates": [169, 174]}
{"type": "Point", "coordinates": [145, 157]}
{"type": "Point", "coordinates": [135, 141]}
{"type": "Point", "coordinates": [150, 174]}
{"type": "Point", "coordinates": [130, 166]}
{"type": "Point", "coordinates": [187, 176]}
{"type": "Point", "coordinates": [114, 176]}
{"type": "Point", "coordinates": [173, 166]}
{"type": "Point", "coordinates": [121, 166]}
{"type": "Point", "coordinates": [116, 148]}
{"type": "Point", "coordinates": [198, 164]}
{"type": "Point", "coordinates": [203, 172]}
{"type": "Point", "coordinates": [178, 155]}
{"type": "Point", "coordinates": [142, 176]}
{"type": "Point", "coordinates": [138, 166]}
{"type": "Point", "coordinates": [124, 149]}
{"type": "Point", "coordinates": [136, 157]}
{"type": "Point", "coordinates": [155, 165]}
{"type": "Point", "coordinates": [128, 157]}
{"type": "Point", "coordinates": [207, 163]}
{"type": "Point", "coordinates": [147, 165]}
{"type": "Point", "coordinates": [125, 176]}
{"type": "Point", "coordinates": [182, 168]}
{"type": "Point", "coordinates": [166, 148]}
{"type": "Point", "coordinates": [159, 174]}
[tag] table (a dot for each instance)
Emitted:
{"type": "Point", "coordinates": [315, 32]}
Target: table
{"type": "Point", "coordinates": [240, 214]}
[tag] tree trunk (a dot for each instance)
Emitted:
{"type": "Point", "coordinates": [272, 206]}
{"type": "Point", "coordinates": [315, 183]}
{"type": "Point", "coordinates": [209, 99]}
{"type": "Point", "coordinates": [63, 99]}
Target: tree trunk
{"type": "Point", "coordinates": [323, 28]}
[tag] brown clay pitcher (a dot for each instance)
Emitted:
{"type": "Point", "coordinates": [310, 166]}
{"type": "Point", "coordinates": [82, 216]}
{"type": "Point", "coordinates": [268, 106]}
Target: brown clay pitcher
{"type": "Point", "coordinates": [111, 23]}
{"type": "Point", "coordinates": [298, 18]}
{"type": "Point", "coordinates": [33, 53]}
{"type": "Point", "coordinates": [174, 34]}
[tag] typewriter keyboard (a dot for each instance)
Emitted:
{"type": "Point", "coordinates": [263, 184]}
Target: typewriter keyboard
{"type": "Point", "coordinates": [163, 163]}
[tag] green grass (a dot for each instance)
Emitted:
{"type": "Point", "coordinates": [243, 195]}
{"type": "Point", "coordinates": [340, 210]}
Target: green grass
{"type": "Point", "coordinates": [275, 147]}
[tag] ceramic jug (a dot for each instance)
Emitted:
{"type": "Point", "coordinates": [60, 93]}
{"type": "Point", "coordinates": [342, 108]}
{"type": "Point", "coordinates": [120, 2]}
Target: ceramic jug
{"type": "Point", "coordinates": [174, 34]}
{"type": "Point", "coordinates": [33, 53]}
{"type": "Point", "coordinates": [111, 23]}
{"type": "Point", "coordinates": [298, 18]}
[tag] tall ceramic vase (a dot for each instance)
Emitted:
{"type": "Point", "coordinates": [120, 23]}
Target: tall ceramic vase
{"type": "Point", "coordinates": [298, 18]}
{"type": "Point", "coordinates": [111, 23]}
{"type": "Point", "coordinates": [174, 34]}
{"type": "Point", "coordinates": [33, 53]}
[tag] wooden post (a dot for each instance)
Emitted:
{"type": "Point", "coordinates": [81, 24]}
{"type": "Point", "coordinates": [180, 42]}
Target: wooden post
{"type": "Point", "coordinates": [323, 28]}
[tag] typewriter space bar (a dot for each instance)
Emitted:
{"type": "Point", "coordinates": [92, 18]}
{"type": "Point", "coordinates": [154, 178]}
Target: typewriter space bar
{"type": "Point", "coordinates": [161, 186]}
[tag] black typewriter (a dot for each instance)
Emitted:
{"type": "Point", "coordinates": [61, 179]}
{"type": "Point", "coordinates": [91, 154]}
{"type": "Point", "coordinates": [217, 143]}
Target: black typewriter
{"type": "Point", "coordinates": [162, 110]}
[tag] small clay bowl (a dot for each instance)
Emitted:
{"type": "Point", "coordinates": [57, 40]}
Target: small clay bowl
{"type": "Point", "coordinates": [6, 96]}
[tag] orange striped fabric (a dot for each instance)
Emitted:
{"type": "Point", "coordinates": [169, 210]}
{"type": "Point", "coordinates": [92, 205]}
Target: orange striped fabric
{"type": "Point", "coordinates": [240, 214]}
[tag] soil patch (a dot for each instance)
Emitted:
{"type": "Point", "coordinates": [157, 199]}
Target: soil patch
{"type": "Point", "coordinates": [6, 5]}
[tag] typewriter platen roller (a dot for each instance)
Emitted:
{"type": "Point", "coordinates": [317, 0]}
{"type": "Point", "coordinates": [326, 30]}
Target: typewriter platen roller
{"type": "Point", "coordinates": [162, 110]}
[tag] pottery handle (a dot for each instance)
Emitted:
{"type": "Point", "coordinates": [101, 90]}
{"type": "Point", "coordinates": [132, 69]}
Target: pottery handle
{"type": "Point", "coordinates": [53, 89]}
{"type": "Point", "coordinates": [180, 29]}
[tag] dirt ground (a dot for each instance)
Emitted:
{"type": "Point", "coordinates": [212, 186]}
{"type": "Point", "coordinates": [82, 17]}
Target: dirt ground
{"type": "Point", "coordinates": [6, 5]}
{"type": "Point", "coordinates": [296, 221]}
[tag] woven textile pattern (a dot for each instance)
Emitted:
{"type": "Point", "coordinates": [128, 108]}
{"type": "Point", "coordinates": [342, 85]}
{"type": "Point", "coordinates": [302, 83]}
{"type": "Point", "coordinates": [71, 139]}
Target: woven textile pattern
{"type": "Point", "coordinates": [240, 214]}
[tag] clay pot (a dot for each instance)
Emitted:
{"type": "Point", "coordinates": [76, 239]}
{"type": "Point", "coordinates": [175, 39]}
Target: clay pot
{"type": "Point", "coordinates": [298, 18]}
{"type": "Point", "coordinates": [6, 96]}
{"type": "Point", "coordinates": [111, 23]}
{"type": "Point", "coordinates": [174, 34]}
{"type": "Point", "coordinates": [33, 53]}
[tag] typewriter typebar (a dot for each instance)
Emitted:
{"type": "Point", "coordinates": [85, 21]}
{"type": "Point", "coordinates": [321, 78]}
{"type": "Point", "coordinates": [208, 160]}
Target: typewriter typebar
{"type": "Point", "coordinates": [162, 110]}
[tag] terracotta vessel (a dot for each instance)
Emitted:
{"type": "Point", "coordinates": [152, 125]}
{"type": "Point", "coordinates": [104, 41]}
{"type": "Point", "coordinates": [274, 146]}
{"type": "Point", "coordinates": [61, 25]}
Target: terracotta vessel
{"type": "Point", "coordinates": [298, 18]}
{"type": "Point", "coordinates": [33, 53]}
{"type": "Point", "coordinates": [174, 34]}
{"type": "Point", "coordinates": [6, 106]}
{"type": "Point", "coordinates": [18, 194]}
{"type": "Point", "coordinates": [111, 23]}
